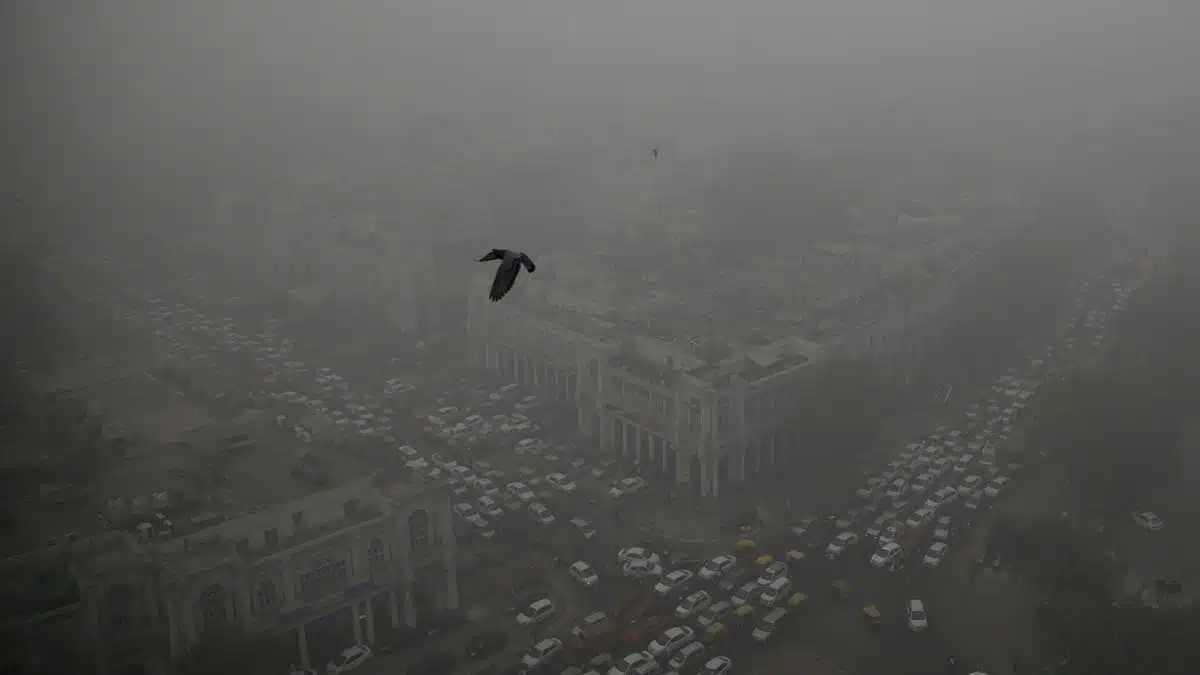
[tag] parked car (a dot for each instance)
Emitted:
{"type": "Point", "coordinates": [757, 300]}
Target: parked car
{"type": "Point", "coordinates": [349, 659]}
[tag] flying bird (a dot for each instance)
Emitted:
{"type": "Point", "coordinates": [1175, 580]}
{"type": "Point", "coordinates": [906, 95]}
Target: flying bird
{"type": "Point", "coordinates": [655, 151]}
{"type": "Point", "coordinates": [506, 274]}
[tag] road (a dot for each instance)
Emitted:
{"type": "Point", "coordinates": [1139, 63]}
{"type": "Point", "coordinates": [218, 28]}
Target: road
{"type": "Point", "coordinates": [961, 606]}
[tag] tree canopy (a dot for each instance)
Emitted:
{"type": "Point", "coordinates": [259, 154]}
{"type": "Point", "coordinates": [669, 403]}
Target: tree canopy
{"type": "Point", "coordinates": [1117, 429]}
{"type": "Point", "coordinates": [1092, 634]}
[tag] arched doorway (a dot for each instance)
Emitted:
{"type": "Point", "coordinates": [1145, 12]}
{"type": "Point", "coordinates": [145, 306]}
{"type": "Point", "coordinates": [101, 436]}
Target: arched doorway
{"type": "Point", "coordinates": [214, 608]}
{"type": "Point", "coordinates": [120, 605]}
{"type": "Point", "coordinates": [133, 669]}
{"type": "Point", "coordinates": [418, 530]}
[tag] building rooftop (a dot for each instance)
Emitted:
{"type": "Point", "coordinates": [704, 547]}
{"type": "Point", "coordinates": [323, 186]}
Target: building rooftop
{"type": "Point", "coordinates": [287, 525]}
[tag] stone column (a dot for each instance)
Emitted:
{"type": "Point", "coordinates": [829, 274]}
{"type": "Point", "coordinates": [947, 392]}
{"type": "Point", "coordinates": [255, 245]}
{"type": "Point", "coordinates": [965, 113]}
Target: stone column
{"type": "Point", "coordinates": [174, 626]}
{"type": "Point", "coordinates": [704, 478]}
{"type": "Point", "coordinates": [637, 443]}
{"type": "Point", "coordinates": [101, 658]}
{"type": "Point", "coordinates": [370, 622]}
{"type": "Point", "coordinates": [410, 605]}
{"type": "Point", "coordinates": [451, 589]}
{"type": "Point", "coordinates": [245, 609]}
{"type": "Point", "coordinates": [288, 574]}
{"type": "Point", "coordinates": [302, 646]}
{"type": "Point", "coordinates": [715, 480]}
{"type": "Point", "coordinates": [683, 468]}
{"type": "Point", "coordinates": [394, 607]}
{"type": "Point", "coordinates": [188, 610]}
{"type": "Point", "coordinates": [357, 625]}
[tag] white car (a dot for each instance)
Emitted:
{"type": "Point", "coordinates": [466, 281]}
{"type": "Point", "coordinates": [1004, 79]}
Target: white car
{"type": "Point", "coordinates": [542, 653]}
{"type": "Point", "coordinates": [772, 572]}
{"type": "Point", "coordinates": [921, 483]}
{"type": "Point", "coordinates": [917, 619]}
{"type": "Point", "coordinates": [522, 492]}
{"type": "Point", "coordinates": [718, 665]}
{"type": "Point", "coordinates": [974, 500]}
{"type": "Point", "coordinates": [886, 554]}
{"type": "Point", "coordinates": [583, 628]}
{"type": "Point", "coordinates": [465, 511]}
{"type": "Point", "coordinates": [348, 660]}
{"type": "Point", "coordinates": [627, 665]}
{"type": "Point", "coordinates": [717, 567]}
{"type": "Point", "coordinates": [636, 553]}
{"type": "Point", "coordinates": [673, 582]}
{"type": "Point", "coordinates": [1148, 520]}
{"type": "Point", "coordinates": [996, 486]}
{"type": "Point", "coordinates": [840, 543]}
{"type": "Point", "coordinates": [541, 514]}
{"type": "Point", "coordinates": [641, 569]}
{"type": "Point", "coordinates": [942, 497]}
{"type": "Point", "coordinates": [485, 529]}
{"type": "Point", "coordinates": [970, 484]}
{"type": "Point", "coordinates": [942, 530]}
{"type": "Point", "coordinates": [585, 528]}
{"type": "Point", "coordinates": [487, 487]}
{"type": "Point", "coordinates": [537, 612]}
{"type": "Point", "coordinates": [935, 554]}
{"type": "Point", "coordinates": [561, 482]}
{"type": "Point", "coordinates": [489, 507]}
{"type": "Point", "coordinates": [416, 464]}
{"type": "Point", "coordinates": [584, 574]}
{"type": "Point", "coordinates": [627, 486]}
{"type": "Point", "coordinates": [692, 605]}
{"type": "Point", "coordinates": [919, 518]}
{"type": "Point", "coordinates": [409, 452]}
{"type": "Point", "coordinates": [671, 641]}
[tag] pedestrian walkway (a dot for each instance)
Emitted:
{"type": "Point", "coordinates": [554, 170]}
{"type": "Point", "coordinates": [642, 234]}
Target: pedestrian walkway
{"type": "Point", "coordinates": [492, 617]}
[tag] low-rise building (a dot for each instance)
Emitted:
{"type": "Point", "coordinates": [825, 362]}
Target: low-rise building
{"type": "Point", "coordinates": [349, 557]}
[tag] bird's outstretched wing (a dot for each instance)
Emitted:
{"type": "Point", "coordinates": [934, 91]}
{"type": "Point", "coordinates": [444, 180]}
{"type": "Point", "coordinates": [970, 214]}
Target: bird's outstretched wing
{"type": "Point", "coordinates": [506, 276]}
{"type": "Point", "coordinates": [494, 254]}
{"type": "Point", "coordinates": [528, 263]}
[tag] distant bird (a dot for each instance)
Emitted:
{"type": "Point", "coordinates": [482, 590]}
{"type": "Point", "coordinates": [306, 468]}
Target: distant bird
{"type": "Point", "coordinates": [655, 152]}
{"type": "Point", "coordinates": [506, 274]}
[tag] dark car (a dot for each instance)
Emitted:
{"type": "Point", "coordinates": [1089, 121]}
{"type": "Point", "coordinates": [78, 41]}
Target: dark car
{"type": "Point", "coordinates": [485, 644]}
{"type": "Point", "coordinates": [734, 578]}
{"type": "Point", "coordinates": [438, 663]}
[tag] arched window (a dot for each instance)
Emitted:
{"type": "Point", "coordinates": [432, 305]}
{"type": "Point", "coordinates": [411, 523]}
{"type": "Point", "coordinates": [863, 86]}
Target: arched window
{"type": "Point", "coordinates": [418, 529]}
{"type": "Point", "coordinates": [375, 551]}
{"type": "Point", "coordinates": [267, 596]}
{"type": "Point", "coordinates": [120, 604]}
{"type": "Point", "coordinates": [213, 606]}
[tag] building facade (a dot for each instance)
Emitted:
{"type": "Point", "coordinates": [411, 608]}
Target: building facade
{"type": "Point", "coordinates": [349, 557]}
{"type": "Point", "coordinates": [702, 411]}
{"type": "Point", "coordinates": [698, 413]}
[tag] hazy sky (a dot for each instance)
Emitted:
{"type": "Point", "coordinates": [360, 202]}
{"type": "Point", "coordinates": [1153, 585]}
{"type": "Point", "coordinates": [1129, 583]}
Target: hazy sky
{"type": "Point", "coordinates": [91, 84]}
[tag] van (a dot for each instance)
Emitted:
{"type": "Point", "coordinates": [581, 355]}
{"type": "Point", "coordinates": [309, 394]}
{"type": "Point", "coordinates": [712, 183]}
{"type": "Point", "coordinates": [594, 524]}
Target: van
{"type": "Point", "coordinates": [688, 658]}
{"type": "Point", "coordinates": [767, 625]}
{"type": "Point", "coordinates": [777, 592]}
{"type": "Point", "coordinates": [745, 595]}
